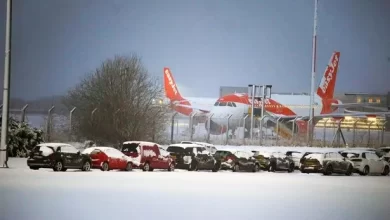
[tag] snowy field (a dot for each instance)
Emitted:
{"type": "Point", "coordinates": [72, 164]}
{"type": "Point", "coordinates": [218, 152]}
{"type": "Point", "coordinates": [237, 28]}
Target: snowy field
{"type": "Point", "coordinates": [44, 194]}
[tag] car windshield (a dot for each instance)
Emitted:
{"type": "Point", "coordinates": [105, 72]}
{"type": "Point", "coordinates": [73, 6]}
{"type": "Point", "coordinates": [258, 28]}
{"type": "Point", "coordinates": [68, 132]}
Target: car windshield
{"type": "Point", "coordinates": [131, 148]}
{"type": "Point", "coordinates": [175, 149]}
{"type": "Point", "coordinates": [221, 153]}
{"type": "Point", "coordinates": [350, 155]}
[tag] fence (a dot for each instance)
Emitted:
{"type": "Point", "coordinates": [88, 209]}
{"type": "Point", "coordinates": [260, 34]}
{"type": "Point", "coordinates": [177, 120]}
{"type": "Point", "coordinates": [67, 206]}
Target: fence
{"type": "Point", "coordinates": [281, 132]}
{"type": "Point", "coordinates": [226, 130]}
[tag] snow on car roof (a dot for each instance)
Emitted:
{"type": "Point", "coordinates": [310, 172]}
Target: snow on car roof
{"type": "Point", "coordinates": [90, 149]}
{"type": "Point", "coordinates": [55, 145]}
{"type": "Point", "coordinates": [185, 145]}
{"type": "Point", "coordinates": [142, 143]}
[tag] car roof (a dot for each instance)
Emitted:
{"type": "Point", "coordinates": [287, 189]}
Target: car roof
{"type": "Point", "coordinates": [357, 151]}
{"type": "Point", "coordinates": [185, 145]}
{"type": "Point", "coordinates": [141, 143]}
{"type": "Point", "coordinates": [55, 145]}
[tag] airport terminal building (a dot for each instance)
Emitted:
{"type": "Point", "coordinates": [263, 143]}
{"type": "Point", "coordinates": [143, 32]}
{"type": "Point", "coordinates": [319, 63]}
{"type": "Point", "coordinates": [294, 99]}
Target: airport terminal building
{"type": "Point", "coordinates": [383, 100]}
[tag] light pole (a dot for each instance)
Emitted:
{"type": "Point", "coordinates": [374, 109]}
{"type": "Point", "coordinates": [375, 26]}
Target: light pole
{"type": "Point", "coordinates": [251, 94]}
{"type": "Point", "coordinates": [7, 67]}
{"type": "Point", "coordinates": [313, 70]}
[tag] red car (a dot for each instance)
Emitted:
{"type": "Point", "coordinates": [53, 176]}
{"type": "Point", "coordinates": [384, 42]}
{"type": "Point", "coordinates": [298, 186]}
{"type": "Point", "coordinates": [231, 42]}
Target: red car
{"type": "Point", "coordinates": [148, 155]}
{"type": "Point", "coordinates": [108, 158]}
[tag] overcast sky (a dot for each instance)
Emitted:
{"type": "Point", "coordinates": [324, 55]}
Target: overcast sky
{"type": "Point", "coordinates": [206, 43]}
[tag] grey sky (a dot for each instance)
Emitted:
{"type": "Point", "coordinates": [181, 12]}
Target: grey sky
{"type": "Point", "coordinates": [206, 43]}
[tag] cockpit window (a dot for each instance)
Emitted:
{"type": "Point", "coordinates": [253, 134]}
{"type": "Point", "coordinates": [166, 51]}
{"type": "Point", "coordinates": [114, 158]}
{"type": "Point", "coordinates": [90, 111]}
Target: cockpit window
{"type": "Point", "coordinates": [230, 104]}
{"type": "Point", "coordinates": [234, 104]}
{"type": "Point", "coordinates": [216, 104]}
{"type": "Point", "coordinates": [222, 104]}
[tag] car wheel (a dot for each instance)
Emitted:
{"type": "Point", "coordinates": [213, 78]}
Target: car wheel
{"type": "Point", "coordinates": [272, 167]}
{"type": "Point", "coordinates": [58, 166]}
{"type": "Point", "coordinates": [366, 171]}
{"type": "Point", "coordinates": [105, 166]}
{"type": "Point", "coordinates": [256, 168]}
{"type": "Point", "coordinates": [291, 168]}
{"type": "Point", "coordinates": [193, 166]}
{"type": "Point", "coordinates": [129, 167]}
{"type": "Point", "coordinates": [328, 170]}
{"type": "Point", "coordinates": [146, 167]}
{"type": "Point", "coordinates": [349, 170]}
{"type": "Point", "coordinates": [171, 167]}
{"type": "Point", "coordinates": [217, 166]}
{"type": "Point", "coordinates": [86, 166]}
{"type": "Point", "coordinates": [236, 168]}
{"type": "Point", "coordinates": [386, 171]}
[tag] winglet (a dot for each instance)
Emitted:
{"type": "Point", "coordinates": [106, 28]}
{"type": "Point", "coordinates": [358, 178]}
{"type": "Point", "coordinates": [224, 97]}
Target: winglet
{"type": "Point", "coordinates": [171, 90]}
{"type": "Point", "coordinates": [328, 81]}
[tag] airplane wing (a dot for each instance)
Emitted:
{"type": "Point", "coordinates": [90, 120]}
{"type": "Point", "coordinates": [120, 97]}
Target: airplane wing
{"type": "Point", "coordinates": [194, 107]}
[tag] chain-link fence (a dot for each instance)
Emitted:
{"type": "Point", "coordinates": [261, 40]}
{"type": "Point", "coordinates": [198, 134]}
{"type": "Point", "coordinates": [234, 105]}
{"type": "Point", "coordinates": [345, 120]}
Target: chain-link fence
{"type": "Point", "coordinates": [283, 132]}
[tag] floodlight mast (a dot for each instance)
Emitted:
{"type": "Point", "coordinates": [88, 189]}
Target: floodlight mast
{"type": "Point", "coordinates": [7, 67]}
{"type": "Point", "coordinates": [313, 71]}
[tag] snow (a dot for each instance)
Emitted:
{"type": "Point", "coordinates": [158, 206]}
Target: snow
{"type": "Point", "coordinates": [186, 195]}
{"type": "Point", "coordinates": [318, 157]}
{"type": "Point", "coordinates": [45, 151]}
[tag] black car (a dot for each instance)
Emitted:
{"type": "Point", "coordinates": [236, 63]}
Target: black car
{"type": "Point", "coordinates": [237, 160]}
{"type": "Point", "coordinates": [193, 157]}
{"type": "Point", "coordinates": [279, 162]}
{"type": "Point", "coordinates": [59, 157]}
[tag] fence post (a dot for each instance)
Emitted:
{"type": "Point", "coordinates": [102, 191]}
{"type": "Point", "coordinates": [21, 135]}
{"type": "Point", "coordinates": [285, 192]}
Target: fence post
{"type": "Point", "coordinates": [173, 126]}
{"type": "Point", "coordinates": [70, 122]}
{"type": "Point", "coordinates": [324, 137]}
{"type": "Point", "coordinates": [24, 113]}
{"type": "Point", "coordinates": [48, 124]}
{"type": "Point", "coordinates": [369, 134]}
{"type": "Point", "coordinates": [209, 127]}
{"type": "Point", "coordinates": [383, 133]}
{"type": "Point", "coordinates": [227, 129]}
{"type": "Point", "coordinates": [243, 132]}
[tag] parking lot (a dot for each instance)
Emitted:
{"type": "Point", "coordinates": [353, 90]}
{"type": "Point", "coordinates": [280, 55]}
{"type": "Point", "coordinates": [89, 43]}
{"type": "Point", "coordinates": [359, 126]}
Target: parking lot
{"type": "Point", "coordinates": [44, 194]}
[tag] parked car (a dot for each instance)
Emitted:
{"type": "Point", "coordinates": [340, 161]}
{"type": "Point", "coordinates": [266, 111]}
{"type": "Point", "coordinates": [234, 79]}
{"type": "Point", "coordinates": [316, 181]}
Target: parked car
{"type": "Point", "coordinates": [147, 156]}
{"type": "Point", "coordinates": [296, 157]}
{"type": "Point", "coordinates": [367, 162]}
{"type": "Point", "coordinates": [193, 157]}
{"type": "Point", "coordinates": [109, 158]}
{"type": "Point", "coordinates": [237, 160]}
{"type": "Point", "coordinates": [326, 163]}
{"type": "Point", "coordinates": [263, 160]}
{"type": "Point", "coordinates": [210, 147]}
{"type": "Point", "coordinates": [58, 156]}
{"type": "Point", "coordinates": [279, 162]}
{"type": "Point", "coordinates": [384, 152]}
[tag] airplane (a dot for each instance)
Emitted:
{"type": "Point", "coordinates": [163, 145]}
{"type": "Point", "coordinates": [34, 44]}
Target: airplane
{"type": "Point", "coordinates": [279, 106]}
{"type": "Point", "coordinates": [185, 106]}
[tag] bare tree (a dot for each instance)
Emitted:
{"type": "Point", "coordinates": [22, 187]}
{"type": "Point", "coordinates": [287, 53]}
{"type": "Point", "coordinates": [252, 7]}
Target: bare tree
{"type": "Point", "coordinates": [124, 95]}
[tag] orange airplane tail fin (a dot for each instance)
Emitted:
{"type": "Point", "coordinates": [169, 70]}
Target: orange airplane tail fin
{"type": "Point", "coordinates": [171, 90]}
{"type": "Point", "coordinates": [328, 81]}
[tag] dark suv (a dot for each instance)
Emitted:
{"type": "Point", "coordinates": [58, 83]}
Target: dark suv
{"type": "Point", "coordinates": [59, 157]}
{"type": "Point", "coordinates": [193, 157]}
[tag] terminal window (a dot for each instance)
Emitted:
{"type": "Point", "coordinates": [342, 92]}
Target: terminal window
{"type": "Point", "coordinates": [378, 100]}
{"type": "Point", "coordinates": [370, 100]}
{"type": "Point", "coordinates": [359, 100]}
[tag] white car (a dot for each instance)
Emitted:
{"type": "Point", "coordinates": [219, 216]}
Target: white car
{"type": "Point", "coordinates": [367, 162]}
{"type": "Point", "coordinates": [296, 157]}
{"type": "Point", "coordinates": [210, 147]}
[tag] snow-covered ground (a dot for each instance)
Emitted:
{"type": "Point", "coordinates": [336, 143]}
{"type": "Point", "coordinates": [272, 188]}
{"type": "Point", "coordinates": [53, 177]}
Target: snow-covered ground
{"type": "Point", "coordinates": [44, 194]}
